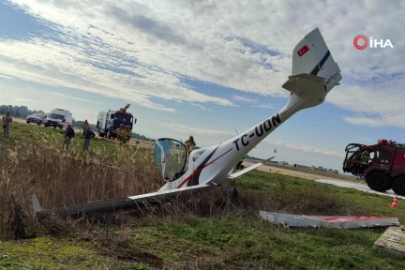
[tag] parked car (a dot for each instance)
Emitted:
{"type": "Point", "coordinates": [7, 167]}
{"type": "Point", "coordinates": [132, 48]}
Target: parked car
{"type": "Point", "coordinates": [283, 163]}
{"type": "Point", "coordinates": [37, 118]}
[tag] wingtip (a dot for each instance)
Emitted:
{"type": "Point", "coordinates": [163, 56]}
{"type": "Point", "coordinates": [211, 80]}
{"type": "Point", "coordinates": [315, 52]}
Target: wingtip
{"type": "Point", "coordinates": [36, 204]}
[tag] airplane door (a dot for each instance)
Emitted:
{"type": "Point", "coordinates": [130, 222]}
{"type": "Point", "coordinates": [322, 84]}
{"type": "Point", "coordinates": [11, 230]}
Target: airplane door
{"type": "Point", "coordinates": [171, 158]}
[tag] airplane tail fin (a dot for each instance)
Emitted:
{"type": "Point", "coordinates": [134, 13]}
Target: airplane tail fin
{"type": "Point", "coordinates": [314, 70]}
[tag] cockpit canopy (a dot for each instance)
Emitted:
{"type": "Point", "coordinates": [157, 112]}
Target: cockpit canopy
{"type": "Point", "coordinates": [171, 158]}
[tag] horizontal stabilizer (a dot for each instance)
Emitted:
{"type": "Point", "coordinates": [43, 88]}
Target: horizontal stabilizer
{"type": "Point", "coordinates": [305, 84]}
{"type": "Point", "coordinates": [246, 170]}
{"type": "Point", "coordinates": [308, 88]}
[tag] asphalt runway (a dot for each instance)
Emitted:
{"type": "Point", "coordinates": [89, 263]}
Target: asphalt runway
{"type": "Point", "coordinates": [359, 186]}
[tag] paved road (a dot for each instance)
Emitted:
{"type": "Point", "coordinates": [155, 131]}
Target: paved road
{"type": "Point", "coordinates": [360, 186]}
{"type": "Point", "coordinates": [23, 121]}
{"type": "Point", "coordinates": [304, 175]}
{"type": "Point", "coordinates": [15, 119]}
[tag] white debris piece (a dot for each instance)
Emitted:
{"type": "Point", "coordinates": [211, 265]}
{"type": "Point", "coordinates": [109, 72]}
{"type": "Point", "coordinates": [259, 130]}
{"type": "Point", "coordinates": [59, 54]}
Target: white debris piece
{"type": "Point", "coordinates": [337, 222]}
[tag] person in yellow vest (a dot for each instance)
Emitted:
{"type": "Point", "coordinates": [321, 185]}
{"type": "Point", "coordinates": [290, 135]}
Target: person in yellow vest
{"type": "Point", "coordinates": [126, 134]}
{"type": "Point", "coordinates": [85, 125]}
{"type": "Point", "coordinates": [365, 158]}
{"type": "Point", "coordinates": [120, 132]}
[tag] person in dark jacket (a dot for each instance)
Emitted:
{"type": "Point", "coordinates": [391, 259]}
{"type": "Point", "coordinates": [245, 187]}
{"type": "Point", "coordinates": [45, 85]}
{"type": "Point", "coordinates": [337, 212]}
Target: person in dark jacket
{"type": "Point", "coordinates": [190, 143]}
{"type": "Point", "coordinates": [88, 134]}
{"type": "Point", "coordinates": [69, 134]}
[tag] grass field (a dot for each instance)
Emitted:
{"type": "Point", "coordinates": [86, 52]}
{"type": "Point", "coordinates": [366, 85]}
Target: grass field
{"type": "Point", "coordinates": [205, 231]}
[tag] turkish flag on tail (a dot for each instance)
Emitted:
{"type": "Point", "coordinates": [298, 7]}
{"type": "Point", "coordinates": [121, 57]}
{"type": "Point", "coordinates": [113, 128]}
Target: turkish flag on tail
{"type": "Point", "coordinates": [303, 50]}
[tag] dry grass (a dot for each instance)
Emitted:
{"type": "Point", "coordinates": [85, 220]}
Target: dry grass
{"type": "Point", "coordinates": [37, 165]}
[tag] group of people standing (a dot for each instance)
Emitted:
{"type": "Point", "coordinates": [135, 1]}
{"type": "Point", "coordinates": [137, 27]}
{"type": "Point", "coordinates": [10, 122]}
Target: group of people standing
{"type": "Point", "coordinates": [124, 134]}
{"type": "Point", "coordinates": [69, 134]}
{"type": "Point", "coordinates": [88, 134]}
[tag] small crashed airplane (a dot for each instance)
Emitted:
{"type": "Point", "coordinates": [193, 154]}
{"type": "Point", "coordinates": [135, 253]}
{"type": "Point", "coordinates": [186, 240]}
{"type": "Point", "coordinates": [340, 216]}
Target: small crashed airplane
{"type": "Point", "coordinates": [315, 73]}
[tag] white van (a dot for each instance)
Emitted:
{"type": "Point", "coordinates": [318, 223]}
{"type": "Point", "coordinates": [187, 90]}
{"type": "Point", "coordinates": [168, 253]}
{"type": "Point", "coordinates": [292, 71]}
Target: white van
{"type": "Point", "coordinates": [59, 118]}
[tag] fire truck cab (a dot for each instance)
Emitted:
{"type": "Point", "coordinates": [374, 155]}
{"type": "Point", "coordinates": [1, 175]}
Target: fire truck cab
{"type": "Point", "coordinates": [382, 164]}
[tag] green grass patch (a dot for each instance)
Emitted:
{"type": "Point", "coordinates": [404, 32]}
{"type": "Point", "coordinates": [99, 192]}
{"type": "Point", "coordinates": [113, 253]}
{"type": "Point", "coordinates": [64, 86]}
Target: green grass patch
{"type": "Point", "coordinates": [48, 253]}
{"type": "Point", "coordinates": [249, 241]}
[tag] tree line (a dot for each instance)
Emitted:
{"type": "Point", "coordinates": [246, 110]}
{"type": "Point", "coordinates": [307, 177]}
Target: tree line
{"type": "Point", "coordinates": [17, 111]}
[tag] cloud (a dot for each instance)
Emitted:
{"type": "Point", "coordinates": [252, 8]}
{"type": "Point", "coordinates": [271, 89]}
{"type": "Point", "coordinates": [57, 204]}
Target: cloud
{"type": "Point", "coordinates": [200, 106]}
{"type": "Point", "coordinates": [312, 149]}
{"type": "Point", "coordinates": [74, 71]}
{"type": "Point", "coordinates": [26, 100]}
{"type": "Point", "coordinates": [179, 128]}
{"type": "Point", "coordinates": [140, 50]}
{"type": "Point", "coordinates": [303, 147]}
{"type": "Point", "coordinates": [387, 121]}
{"type": "Point", "coordinates": [6, 77]}
{"type": "Point", "coordinates": [145, 25]}
{"type": "Point", "coordinates": [263, 106]}
{"type": "Point", "coordinates": [75, 98]}
{"type": "Point", "coordinates": [375, 106]}
{"type": "Point", "coordinates": [244, 99]}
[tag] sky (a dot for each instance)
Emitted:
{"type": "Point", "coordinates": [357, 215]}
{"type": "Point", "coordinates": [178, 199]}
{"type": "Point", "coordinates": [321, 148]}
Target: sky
{"type": "Point", "coordinates": [210, 69]}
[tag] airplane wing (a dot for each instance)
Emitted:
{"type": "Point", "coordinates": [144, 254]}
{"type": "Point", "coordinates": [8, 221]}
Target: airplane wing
{"type": "Point", "coordinates": [246, 170]}
{"type": "Point", "coordinates": [114, 204]}
{"type": "Point", "coordinates": [129, 201]}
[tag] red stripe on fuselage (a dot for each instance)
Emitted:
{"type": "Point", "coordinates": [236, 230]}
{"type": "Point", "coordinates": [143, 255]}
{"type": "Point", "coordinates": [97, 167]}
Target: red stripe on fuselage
{"type": "Point", "coordinates": [199, 170]}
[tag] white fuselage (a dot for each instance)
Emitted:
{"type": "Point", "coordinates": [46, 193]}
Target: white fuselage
{"type": "Point", "coordinates": [215, 164]}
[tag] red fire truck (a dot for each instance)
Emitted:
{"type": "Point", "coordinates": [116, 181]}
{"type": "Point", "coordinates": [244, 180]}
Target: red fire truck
{"type": "Point", "coordinates": [382, 164]}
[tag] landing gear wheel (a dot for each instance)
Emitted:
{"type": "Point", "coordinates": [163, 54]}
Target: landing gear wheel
{"type": "Point", "coordinates": [379, 181]}
{"type": "Point", "coordinates": [398, 185]}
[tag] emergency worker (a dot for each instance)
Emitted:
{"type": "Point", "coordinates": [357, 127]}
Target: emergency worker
{"type": "Point", "coordinates": [128, 134]}
{"type": "Point", "coordinates": [190, 143]}
{"type": "Point", "coordinates": [85, 125]}
{"type": "Point", "coordinates": [120, 133]}
{"type": "Point", "coordinates": [365, 158]}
